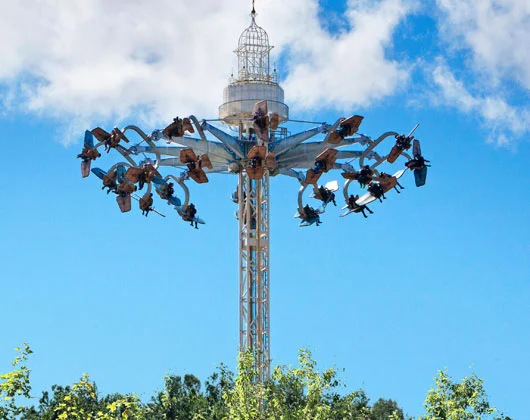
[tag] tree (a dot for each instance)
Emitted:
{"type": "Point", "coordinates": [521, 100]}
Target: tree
{"type": "Point", "coordinates": [386, 409]}
{"type": "Point", "coordinates": [467, 400]}
{"type": "Point", "coordinates": [15, 384]}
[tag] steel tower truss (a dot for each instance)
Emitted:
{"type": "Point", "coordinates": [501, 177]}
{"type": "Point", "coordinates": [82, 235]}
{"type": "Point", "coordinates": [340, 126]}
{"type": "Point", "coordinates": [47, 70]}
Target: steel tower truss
{"type": "Point", "coordinates": [254, 270]}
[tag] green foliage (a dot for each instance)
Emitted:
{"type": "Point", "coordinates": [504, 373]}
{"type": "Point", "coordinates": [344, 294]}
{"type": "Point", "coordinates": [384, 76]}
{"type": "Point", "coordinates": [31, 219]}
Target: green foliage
{"type": "Point", "coordinates": [466, 400]}
{"type": "Point", "coordinates": [293, 393]}
{"type": "Point", "coordinates": [15, 384]}
{"type": "Point", "coordinates": [81, 401]}
{"type": "Point", "coordinates": [299, 393]}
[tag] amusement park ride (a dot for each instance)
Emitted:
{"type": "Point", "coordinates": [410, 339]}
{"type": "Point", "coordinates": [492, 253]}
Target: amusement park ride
{"type": "Point", "coordinates": [257, 148]}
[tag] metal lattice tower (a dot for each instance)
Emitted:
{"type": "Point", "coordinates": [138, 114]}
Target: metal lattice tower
{"type": "Point", "coordinates": [254, 270]}
{"type": "Point", "coordinates": [253, 82]}
{"type": "Point", "coordinates": [254, 107]}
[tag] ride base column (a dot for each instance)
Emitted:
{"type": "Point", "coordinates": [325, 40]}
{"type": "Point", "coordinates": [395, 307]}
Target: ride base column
{"type": "Point", "coordinates": [254, 287]}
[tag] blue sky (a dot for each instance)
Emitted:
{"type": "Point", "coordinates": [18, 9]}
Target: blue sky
{"type": "Point", "coordinates": [437, 277]}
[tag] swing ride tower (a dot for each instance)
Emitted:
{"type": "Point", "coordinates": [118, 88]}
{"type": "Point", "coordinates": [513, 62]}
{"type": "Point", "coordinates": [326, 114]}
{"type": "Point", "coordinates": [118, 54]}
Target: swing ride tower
{"type": "Point", "coordinates": [254, 83]}
{"type": "Point", "coordinates": [254, 108]}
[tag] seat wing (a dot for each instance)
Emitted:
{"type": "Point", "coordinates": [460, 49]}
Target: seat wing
{"type": "Point", "coordinates": [393, 155]}
{"type": "Point", "coordinates": [420, 176]}
{"type": "Point", "coordinates": [312, 177]}
{"type": "Point", "coordinates": [187, 155]}
{"type": "Point", "coordinates": [133, 174]}
{"type": "Point", "coordinates": [187, 126]}
{"type": "Point", "coordinates": [365, 199]}
{"type": "Point", "coordinates": [85, 168]}
{"type": "Point", "coordinates": [332, 186]}
{"type": "Point", "coordinates": [350, 175]}
{"type": "Point", "coordinates": [274, 121]}
{"type": "Point", "coordinates": [89, 139]}
{"type": "Point", "coordinates": [198, 176]}
{"type": "Point", "coordinates": [100, 173]}
{"type": "Point", "coordinates": [416, 148]}
{"type": "Point", "coordinates": [175, 201]}
{"type": "Point", "coordinates": [205, 162]}
{"type": "Point", "coordinates": [121, 170]}
{"type": "Point", "coordinates": [255, 173]}
{"type": "Point", "coordinates": [118, 133]}
{"type": "Point", "coordinates": [124, 202]}
{"type": "Point", "coordinates": [346, 213]}
{"type": "Point", "coordinates": [270, 161]}
{"type": "Point", "coordinates": [175, 129]}
{"type": "Point", "coordinates": [151, 172]}
{"type": "Point", "coordinates": [399, 173]}
{"type": "Point", "coordinates": [351, 124]}
{"type": "Point", "coordinates": [329, 156]}
{"type": "Point", "coordinates": [257, 152]}
{"type": "Point", "coordinates": [100, 134]}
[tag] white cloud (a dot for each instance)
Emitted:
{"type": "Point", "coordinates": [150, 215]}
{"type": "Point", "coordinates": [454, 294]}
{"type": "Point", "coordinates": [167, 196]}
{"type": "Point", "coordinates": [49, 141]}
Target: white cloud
{"type": "Point", "coordinates": [503, 120]}
{"type": "Point", "coordinates": [495, 31]}
{"type": "Point", "coordinates": [492, 37]}
{"type": "Point", "coordinates": [346, 70]}
{"type": "Point", "coordinates": [93, 60]}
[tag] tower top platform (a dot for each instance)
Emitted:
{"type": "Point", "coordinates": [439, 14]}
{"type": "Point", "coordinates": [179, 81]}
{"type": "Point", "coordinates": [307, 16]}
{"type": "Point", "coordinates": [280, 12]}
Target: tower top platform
{"type": "Point", "coordinates": [254, 81]}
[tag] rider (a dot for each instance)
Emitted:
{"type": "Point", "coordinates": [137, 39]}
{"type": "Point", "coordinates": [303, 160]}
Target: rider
{"type": "Point", "coordinates": [365, 175]}
{"type": "Point", "coordinates": [109, 181]}
{"type": "Point", "coordinates": [146, 204]}
{"type": "Point", "coordinates": [419, 162]}
{"type": "Point", "coordinates": [142, 179]}
{"type": "Point", "coordinates": [403, 142]}
{"type": "Point", "coordinates": [388, 182]}
{"type": "Point", "coordinates": [311, 214]}
{"type": "Point", "coordinates": [352, 205]}
{"type": "Point", "coordinates": [170, 190]}
{"type": "Point", "coordinates": [376, 190]}
{"type": "Point", "coordinates": [326, 195]}
{"type": "Point", "coordinates": [255, 163]}
{"type": "Point", "coordinates": [191, 211]}
{"type": "Point", "coordinates": [89, 153]}
{"type": "Point", "coordinates": [175, 129]}
{"type": "Point", "coordinates": [112, 140]}
{"type": "Point", "coordinates": [320, 165]}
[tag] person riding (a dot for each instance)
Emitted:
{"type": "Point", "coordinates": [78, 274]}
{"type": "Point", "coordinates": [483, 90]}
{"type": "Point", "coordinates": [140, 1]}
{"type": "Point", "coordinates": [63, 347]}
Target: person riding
{"type": "Point", "coordinates": [311, 214]}
{"type": "Point", "coordinates": [142, 179]}
{"type": "Point", "coordinates": [343, 130]}
{"type": "Point", "coordinates": [388, 182]}
{"type": "Point", "coordinates": [365, 176]}
{"type": "Point", "coordinates": [109, 181]}
{"type": "Point", "coordinates": [376, 190]}
{"type": "Point", "coordinates": [170, 190]}
{"type": "Point", "coordinates": [320, 165]}
{"type": "Point", "coordinates": [146, 204]}
{"type": "Point", "coordinates": [191, 211]}
{"type": "Point", "coordinates": [89, 153]}
{"type": "Point", "coordinates": [419, 162]}
{"type": "Point", "coordinates": [175, 129]}
{"type": "Point", "coordinates": [125, 188]}
{"type": "Point", "coordinates": [404, 142]}
{"type": "Point", "coordinates": [255, 163]}
{"type": "Point", "coordinates": [352, 205]}
{"type": "Point", "coordinates": [326, 195]}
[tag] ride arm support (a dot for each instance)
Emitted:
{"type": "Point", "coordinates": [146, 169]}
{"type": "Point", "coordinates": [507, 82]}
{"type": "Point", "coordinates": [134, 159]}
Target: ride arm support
{"type": "Point", "coordinates": [374, 145]}
{"type": "Point", "coordinates": [281, 146]}
{"type": "Point", "coordinates": [230, 142]}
